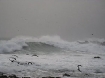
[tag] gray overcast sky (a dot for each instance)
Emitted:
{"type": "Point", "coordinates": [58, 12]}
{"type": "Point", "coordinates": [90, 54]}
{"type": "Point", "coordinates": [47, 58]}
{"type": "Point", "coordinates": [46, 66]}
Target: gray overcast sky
{"type": "Point", "coordinates": [70, 19]}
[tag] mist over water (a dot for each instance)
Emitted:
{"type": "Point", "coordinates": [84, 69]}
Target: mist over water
{"type": "Point", "coordinates": [72, 20]}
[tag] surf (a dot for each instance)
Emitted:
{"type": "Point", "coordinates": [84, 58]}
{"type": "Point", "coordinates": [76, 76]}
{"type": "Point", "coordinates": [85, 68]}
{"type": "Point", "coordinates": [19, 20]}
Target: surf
{"type": "Point", "coordinates": [51, 44]}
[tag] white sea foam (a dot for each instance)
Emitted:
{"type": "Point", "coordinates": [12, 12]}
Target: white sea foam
{"type": "Point", "coordinates": [90, 45]}
{"type": "Point", "coordinates": [11, 45]}
{"type": "Point", "coordinates": [55, 64]}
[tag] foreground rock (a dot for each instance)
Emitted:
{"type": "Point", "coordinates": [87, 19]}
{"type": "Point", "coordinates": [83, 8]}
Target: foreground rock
{"type": "Point", "coordinates": [10, 76]}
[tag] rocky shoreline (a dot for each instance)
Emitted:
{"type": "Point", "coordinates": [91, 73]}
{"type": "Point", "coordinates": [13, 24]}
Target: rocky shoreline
{"type": "Point", "coordinates": [3, 75]}
{"type": "Point", "coordinates": [14, 76]}
{"type": "Point", "coordinates": [64, 75]}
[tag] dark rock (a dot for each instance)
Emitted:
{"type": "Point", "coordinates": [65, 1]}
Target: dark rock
{"type": "Point", "coordinates": [67, 75]}
{"type": "Point", "coordinates": [97, 57]}
{"type": "Point", "coordinates": [83, 42]}
{"type": "Point", "coordinates": [79, 68]}
{"type": "Point", "coordinates": [15, 56]}
{"type": "Point", "coordinates": [24, 47]}
{"type": "Point", "coordinates": [51, 77]}
{"type": "Point", "coordinates": [1, 73]}
{"type": "Point", "coordinates": [98, 71]}
{"type": "Point", "coordinates": [35, 55]}
{"type": "Point", "coordinates": [86, 74]}
{"type": "Point", "coordinates": [30, 63]}
{"type": "Point", "coordinates": [103, 43]}
{"type": "Point", "coordinates": [10, 76]}
{"type": "Point", "coordinates": [3, 76]}
{"type": "Point", "coordinates": [26, 77]}
{"type": "Point", "coordinates": [48, 77]}
{"type": "Point", "coordinates": [11, 60]}
{"type": "Point", "coordinates": [13, 76]}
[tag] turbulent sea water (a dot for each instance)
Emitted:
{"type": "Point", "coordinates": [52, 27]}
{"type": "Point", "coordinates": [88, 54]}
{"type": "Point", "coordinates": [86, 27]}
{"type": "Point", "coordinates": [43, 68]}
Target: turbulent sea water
{"type": "Point", "coordinates": [50, 44]}
{"type": "Point", "coordinates": [52, 57]}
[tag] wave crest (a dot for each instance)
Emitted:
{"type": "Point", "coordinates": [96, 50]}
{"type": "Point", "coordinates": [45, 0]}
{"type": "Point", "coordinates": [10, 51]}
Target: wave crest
{"type": "Point", "coordinates": [50, 43]}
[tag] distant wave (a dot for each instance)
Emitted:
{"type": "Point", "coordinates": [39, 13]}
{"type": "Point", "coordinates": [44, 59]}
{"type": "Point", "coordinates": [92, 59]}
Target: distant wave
{"type": "Point", "coordinates": [51, 43]}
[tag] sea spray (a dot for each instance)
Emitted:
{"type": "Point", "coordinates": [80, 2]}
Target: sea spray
{"type": "Point", "coordinates": [50, 43]}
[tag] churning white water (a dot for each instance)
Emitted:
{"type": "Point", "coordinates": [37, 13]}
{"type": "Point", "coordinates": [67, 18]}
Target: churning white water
{"type": "Point", "coordinates": [50, 56]}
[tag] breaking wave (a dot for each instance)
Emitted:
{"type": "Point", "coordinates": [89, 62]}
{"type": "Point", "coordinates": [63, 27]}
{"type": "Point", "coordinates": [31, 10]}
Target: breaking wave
{"type": "Point", "coordinates": [41, 47]}
{"type": "Point", "coordinates": [51, 44]}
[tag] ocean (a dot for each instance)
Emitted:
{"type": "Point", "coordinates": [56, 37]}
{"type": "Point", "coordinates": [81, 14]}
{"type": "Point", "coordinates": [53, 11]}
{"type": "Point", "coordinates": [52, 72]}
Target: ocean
{"type": "Point", "coordinates": [50, 44]}
{"type": "Point", "coordinates": [52, 56]}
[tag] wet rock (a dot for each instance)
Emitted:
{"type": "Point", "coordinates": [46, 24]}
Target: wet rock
{"type": "Point", "coordinates": [3, 76]}
{"type": "Point", "coordinates": [1, 73]}
{"type": "Point", "coordinates": [103, 43]}
{"type": "Point", "coordinates": [26, 77]}
{"type": "Point", "coordinates": [15, 56]}
{"type": "Point", "coordinates": [24, 47]}
{"type": "Point", "coordinates": [98, 71]}
{"type": "Point", "coordinates": [13, 76]}
{"type": "Point", "coordinates": [83, 42]}
{"type": "Point", "coordinates": [97, 57]}
{"type": "Point", "coordinates": [51, 77]}
{"type": "Point", "coordinates": [67, 75]}
{"type": "Point", "coordinates": [35, 55]}
{"type": "Point", "coordinates": [79, 68]}
{"type": "Point", "coordinates": [10, 76]}
{"type": "Point", "coordinates": [30, 63]}
{"type": "Point", "coordinates": [48, 77]}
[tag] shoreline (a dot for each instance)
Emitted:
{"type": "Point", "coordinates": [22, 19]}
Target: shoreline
{"type": "Point", "coordinates": [63, 75]}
